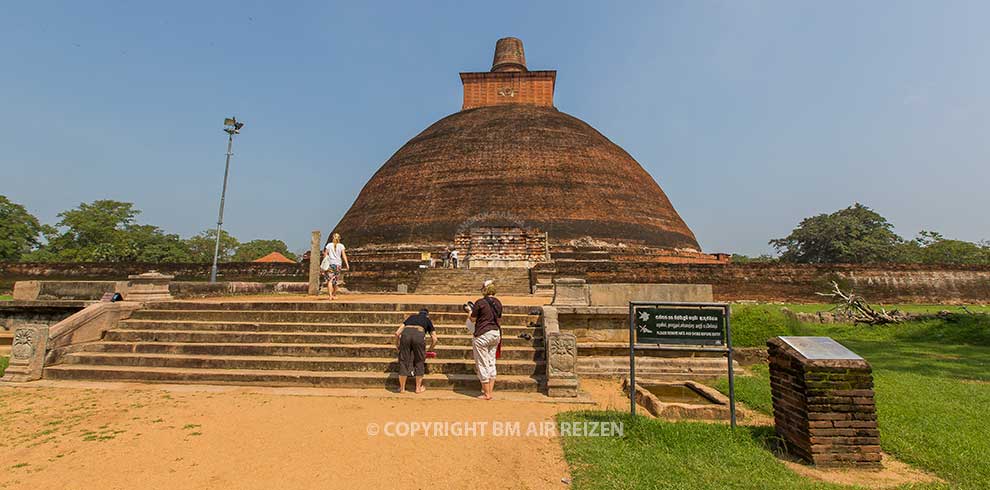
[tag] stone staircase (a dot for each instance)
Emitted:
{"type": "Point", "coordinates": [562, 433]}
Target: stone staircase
{"type": "Point", "coordinates": [512, 281]}
{"type": "Point", "coordinates": [341, 345]}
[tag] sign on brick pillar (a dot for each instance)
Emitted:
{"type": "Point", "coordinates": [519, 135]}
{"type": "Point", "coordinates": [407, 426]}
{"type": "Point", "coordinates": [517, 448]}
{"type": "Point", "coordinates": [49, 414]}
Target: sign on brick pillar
{"type": "Point", "coordinates": [823, 402]}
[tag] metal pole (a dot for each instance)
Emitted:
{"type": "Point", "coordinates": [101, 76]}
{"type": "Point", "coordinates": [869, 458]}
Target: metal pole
{"type": "Point", "coordinates": [732, 383]}
{"type": "Point", "coordinates": [632, 360]}
{"type": "Point", "coordinates": [223, 196]}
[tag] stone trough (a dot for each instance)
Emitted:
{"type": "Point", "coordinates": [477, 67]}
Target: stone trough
{"type": "Point", "coordinates": [681, 400]}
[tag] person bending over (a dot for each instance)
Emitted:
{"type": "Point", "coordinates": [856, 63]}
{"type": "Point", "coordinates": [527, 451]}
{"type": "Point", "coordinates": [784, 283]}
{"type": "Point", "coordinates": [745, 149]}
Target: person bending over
{"type": "Point", "coordinates": [410, 339]}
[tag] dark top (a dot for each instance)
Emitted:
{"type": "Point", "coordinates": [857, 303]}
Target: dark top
{"type": "Point", "coordinates": [420, 321]}
{"type": "Point", "coordinates": [487, 317]}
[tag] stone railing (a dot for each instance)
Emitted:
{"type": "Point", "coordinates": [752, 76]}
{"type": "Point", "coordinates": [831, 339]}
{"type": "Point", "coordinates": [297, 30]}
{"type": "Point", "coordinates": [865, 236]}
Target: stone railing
{"type": "Point", "coordinates": [561, 349]}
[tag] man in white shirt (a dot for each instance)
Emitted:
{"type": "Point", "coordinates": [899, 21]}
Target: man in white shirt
{"type": "Point", "coordinates": [453, 258]}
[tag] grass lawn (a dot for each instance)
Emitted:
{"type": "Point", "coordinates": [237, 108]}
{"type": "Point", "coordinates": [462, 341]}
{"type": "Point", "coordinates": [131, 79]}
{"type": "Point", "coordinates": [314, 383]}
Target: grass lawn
{"type": "Point", "coordinates": [6, 297]}
{"type": "Point", "coordinates": [3, 364]}
{"type": "Point", "coordinates": [932, 386]}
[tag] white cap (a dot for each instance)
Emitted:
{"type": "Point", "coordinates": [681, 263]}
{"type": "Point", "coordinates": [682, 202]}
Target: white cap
{"type": "Point", "coordinates": [487, 283]}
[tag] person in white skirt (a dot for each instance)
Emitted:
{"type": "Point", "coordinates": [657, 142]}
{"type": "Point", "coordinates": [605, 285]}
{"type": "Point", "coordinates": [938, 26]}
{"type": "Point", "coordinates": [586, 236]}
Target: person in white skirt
{"type": "Point", "coordinates": [484, 317]}
{"type": "Point", "coordinates": [333, 264]}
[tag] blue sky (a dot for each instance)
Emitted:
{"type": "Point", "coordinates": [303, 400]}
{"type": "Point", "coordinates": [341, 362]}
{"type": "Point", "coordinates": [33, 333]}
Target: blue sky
{"type": "Point", "coordinates": [751, 115]}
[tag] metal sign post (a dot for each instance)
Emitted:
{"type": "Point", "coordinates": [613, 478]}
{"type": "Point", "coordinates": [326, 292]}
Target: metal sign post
{"type": "Point", "coordinates": [687, 327]}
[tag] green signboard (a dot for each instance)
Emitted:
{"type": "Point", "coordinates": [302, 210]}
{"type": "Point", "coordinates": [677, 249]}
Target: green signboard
{"type": "Point", "coordinates": [679, 325]}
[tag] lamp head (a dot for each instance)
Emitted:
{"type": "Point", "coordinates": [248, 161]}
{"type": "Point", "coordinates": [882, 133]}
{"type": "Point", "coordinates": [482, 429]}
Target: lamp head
{"type": "Point", "coordinates": [232, 125]}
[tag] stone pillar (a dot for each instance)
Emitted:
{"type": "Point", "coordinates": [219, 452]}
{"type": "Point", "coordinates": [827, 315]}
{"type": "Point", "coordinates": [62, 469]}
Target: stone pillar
{"type": "Point", "coordinates": [562, 365]}
{"type": "Point", "coordinates": [823, 403]}
{"type": "Point", "coordinates": [314, 263]}
{"type": "Point", "coordinates": [561, 348]}
{"type": "Point", "coordinates": [27, 354]}
{"type": "Point", "coordinates": [150, 286]}
{"type": "Point", "coordinates": [570, 292]}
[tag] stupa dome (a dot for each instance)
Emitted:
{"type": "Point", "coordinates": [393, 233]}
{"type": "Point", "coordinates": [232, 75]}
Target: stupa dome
{"type": "Point", "coordinates": [511, 159]}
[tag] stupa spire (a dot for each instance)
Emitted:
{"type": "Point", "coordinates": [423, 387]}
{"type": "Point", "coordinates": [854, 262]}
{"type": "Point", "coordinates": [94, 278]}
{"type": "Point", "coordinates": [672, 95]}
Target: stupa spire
{"type": "Point", "coordinates": [509, 55]}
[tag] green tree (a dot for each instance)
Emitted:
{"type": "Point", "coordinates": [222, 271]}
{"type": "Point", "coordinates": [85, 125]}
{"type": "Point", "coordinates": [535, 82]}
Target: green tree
{"type": "Point", "coordinates": [256, 249]}
{"type": "Point", "coordinates": [856, 234]}
{"type": "Point", "coordinates": [92, 232]}
{"type": "Point", "coordinates": [149, 243]}
{"type": "Point", "coordinates": [931, 247]}
{"type": "Point", "coordinates": [201, 246]}
{"type": "Point", "coordinates": [105, 231]}
{"type": "Point", "coordinates": [746, 259]}
{"type": "Point", "coordinates": [20, 231]}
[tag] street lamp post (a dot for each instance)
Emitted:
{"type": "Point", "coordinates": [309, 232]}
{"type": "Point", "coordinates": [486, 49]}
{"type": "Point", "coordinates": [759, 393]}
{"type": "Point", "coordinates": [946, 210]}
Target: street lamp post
{"type": "Point", "coordinates": [231, 126]}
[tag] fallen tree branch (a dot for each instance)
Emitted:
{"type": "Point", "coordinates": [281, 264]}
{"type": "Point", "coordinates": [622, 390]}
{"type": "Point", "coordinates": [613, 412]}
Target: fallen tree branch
{"type": "Point", "coordinates": [854, 307]}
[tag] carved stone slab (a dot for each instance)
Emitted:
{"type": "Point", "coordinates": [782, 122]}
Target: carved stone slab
{"type": "Point", "coordinates": [27, 353]}
{"type": "Point", "coordinates": [562, 354]}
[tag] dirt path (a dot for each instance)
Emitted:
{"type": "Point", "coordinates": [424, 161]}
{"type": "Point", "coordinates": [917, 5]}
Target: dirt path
{"type": "Point", "coordinates": [146, 437]}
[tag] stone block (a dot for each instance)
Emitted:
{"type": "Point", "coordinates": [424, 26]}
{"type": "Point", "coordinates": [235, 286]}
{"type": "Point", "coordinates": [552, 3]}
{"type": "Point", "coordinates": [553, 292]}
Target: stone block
{"type": "Point", "coordinates": [570, 292]}
{"type": "Point", "coordinates": [27, 354]}
{"type": "Point", "coordinates": [622, 294]}
{"type": "Point", "coordinates": [150, 286]}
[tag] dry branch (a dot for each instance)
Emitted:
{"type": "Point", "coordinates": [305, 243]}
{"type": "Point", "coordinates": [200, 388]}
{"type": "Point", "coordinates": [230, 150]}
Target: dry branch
{"type": "Point", "coordinates": [855, 307]}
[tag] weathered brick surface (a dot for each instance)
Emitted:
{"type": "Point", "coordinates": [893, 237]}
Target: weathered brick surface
{"type": "Point", "coordinates": [887, 283]}
{"type": "Point", "coordinates": [510, 159]}
{"type": "Point", "coordinates": [824, 409]}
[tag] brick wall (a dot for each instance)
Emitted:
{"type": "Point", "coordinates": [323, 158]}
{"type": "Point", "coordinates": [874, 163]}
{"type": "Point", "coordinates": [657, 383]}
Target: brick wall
{"type": "Point", "coordinates": [824, 409]}
{"type": "Point", "coordinates": [364, 276]}
{"type": "Point", "coordinates": [496, 88]}
{"type": "Point", "coordinates": [881, 283]}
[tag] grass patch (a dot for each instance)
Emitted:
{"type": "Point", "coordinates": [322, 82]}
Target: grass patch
{"type": "Point", "coordinates": [753, 391]}
{"type": "Point", "coordinates": [752, 325]}
{"type": "Point", "coordinates": [653, 454]}
{"type": "Point", "coordinates": [6, 297]}
{"type": "Point", "coordinates": [932, 382]}
{"type": "Point", "coordinates": [4, 360]}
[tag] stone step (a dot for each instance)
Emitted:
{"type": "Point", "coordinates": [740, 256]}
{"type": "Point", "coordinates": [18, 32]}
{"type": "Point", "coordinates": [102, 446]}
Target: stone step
{"type": "Point", "coordinates": [340, 328]}
{"type": "Point", "coordinates": [530, 354]}
{"type": "Point", "coordinates": [380, 317]}
{"type": "Point", "coordinates": [286, 363]}
{"type": "Point", "coordinates": [654, 368]}
{"type": "Point", "coordinates": [200, 336]}
{"type": "Point", "coordinates": [333, 306]}
{"type": "Point", "coordinates": [465, 382]}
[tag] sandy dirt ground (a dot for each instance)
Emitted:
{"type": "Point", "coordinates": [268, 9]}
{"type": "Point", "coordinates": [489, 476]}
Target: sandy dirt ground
{"type": "Point", "coordinates": [71, 435]}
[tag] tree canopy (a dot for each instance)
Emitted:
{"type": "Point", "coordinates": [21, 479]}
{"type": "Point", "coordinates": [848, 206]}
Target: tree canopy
{"type": "Point", "coordinates": [20, 231]}
{"type": "Point", "coordinates": [858, 234]}
{"type": "Point", "coordinates": [202, 246]}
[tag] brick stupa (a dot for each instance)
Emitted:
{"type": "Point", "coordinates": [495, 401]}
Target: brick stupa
{"type": "Point", "coordinates": [509, 160]}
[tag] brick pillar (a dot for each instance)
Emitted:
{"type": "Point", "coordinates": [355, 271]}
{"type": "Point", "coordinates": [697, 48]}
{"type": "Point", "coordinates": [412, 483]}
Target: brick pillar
{"type": "Point", "coordinates": [823, 403]}
{"type": "Point", "coordinates": [314, 263]}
